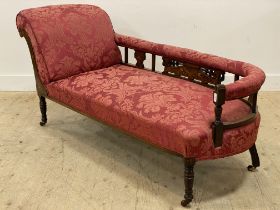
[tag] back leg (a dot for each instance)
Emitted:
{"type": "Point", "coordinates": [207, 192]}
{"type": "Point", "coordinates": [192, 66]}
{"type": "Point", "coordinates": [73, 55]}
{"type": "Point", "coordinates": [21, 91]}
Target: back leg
{"type": "Point", "coordinates": [43, 108]}
{"type": "Point", "coordinates": [255, 158]}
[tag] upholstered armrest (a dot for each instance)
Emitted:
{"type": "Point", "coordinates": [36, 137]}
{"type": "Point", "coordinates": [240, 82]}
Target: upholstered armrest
{"type": "Point", "coordinates": [252, 76]}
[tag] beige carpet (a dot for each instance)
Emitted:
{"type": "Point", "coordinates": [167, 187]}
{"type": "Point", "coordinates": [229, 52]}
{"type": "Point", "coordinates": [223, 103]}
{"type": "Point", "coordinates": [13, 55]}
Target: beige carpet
{"type": "Point", "coordinates": [77, 163]}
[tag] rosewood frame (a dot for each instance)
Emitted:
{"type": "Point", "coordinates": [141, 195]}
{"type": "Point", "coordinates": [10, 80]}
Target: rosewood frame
{"type": "Point", "coordinates": [205, 76]}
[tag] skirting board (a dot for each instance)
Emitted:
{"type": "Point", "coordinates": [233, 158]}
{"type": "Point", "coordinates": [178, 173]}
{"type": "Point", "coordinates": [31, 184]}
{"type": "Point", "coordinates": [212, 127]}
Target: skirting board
{"type": "Point", "coordinates": [17, 83]}
{"type": "Point", "coordinates": [27, 82]}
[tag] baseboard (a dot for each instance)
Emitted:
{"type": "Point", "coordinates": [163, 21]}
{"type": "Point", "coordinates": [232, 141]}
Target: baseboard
{"type": "Point", "coordinates": [17, 83]}
{"type": "Point", "coordinates": [27, 82]}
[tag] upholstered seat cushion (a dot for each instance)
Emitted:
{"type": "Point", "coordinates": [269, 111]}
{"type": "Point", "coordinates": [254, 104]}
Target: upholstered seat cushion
{"type": "Point", "coordinates": [168, 112]}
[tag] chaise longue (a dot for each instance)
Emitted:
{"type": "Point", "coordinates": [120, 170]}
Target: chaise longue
{"type": "Point", "coordinates": [186, 109]}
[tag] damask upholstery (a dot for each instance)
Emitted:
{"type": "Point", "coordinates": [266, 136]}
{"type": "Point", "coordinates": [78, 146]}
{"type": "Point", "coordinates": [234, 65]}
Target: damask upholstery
{"type": "Point", "coordinates": [69, 39]}
{"type": "Point", "coordinates": [253, 76]}
{"type": "Point", "coordinates": [75, 53]}
{"type": "Point", "coordinates": [168, 112]}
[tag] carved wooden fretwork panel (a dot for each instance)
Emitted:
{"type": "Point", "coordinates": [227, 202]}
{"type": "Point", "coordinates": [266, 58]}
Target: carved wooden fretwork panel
{"type": "Point", "coordinates": [205, 76]}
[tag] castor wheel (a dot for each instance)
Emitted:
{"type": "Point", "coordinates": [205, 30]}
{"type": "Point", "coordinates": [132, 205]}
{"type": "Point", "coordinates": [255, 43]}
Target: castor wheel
{"type": "Point", "coordinates": [43, 123]}
{"type": "Point", "coordinates": [255, 159]}
{"type": "Point", "coordinates": [184, 203]}
{"type": "Point", "coordinates": [251, 168]}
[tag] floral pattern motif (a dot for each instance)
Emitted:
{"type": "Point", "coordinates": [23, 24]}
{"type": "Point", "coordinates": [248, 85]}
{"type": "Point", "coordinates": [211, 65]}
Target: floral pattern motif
{"type": "Point", "coordinates": [76, 53]}
{"type": "Point", "coordinates": [168, 112]}
{"type": "Point", "coordinates": [253, 77]}
{"type": "Point", "coordinates": [69, 39]}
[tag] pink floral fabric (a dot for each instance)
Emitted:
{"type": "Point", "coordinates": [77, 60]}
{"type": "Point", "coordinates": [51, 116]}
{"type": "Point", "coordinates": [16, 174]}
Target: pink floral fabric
{"type": "Point", "coordinates": [170, 113]}
{"type": "Point", "coordinates": [69, 39]}
{"type": "Point", "coordinates": [253, 76]}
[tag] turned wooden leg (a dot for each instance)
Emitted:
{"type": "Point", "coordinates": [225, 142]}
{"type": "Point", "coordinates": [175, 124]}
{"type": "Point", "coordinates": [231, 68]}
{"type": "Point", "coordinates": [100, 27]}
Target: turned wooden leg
{"type": "Point", "coordinates": [43, 108]}
{"type": "Point", "coordinates": [188, 179]}
{"type": "Point", "coordinates": [255, 158]}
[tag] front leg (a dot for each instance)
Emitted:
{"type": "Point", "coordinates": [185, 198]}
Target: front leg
{"type": "Point", "coordinates": [43, 108]}
{"type": "Point", "coordinates": [255, 158]}
{"type": "Point", "coordinates": [188, 179]}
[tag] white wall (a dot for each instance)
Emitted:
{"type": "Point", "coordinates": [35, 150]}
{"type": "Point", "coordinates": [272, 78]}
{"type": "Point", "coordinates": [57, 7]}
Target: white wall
{"type": "Point", "coordinates": [238, 29]}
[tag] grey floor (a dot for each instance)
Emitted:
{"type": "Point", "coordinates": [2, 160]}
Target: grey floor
{"type": "Point", "coordinates": [77, 163]}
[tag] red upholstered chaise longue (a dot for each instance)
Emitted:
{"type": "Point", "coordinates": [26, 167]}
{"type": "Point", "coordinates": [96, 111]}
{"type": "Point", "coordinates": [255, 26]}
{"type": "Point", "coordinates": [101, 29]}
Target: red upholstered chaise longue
{"type": "Point", "coordinates": [185, 109]}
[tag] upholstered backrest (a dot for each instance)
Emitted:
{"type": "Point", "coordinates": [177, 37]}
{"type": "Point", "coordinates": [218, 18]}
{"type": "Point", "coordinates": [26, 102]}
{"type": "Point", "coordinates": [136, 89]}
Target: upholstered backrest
{"type": "Point", "coordinates": [69, 39]}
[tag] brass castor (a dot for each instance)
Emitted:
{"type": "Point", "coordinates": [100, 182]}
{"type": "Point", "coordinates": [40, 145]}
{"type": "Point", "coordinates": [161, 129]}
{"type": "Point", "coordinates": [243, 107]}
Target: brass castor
{"type": "Point", "coordinates": [185, 203]}
{"type": "Point", "coordinates": [42, 123]}
{"type": "Point", "coordinates": [255, 159]}
{"type": "Point", "coordinates": [251, 168]}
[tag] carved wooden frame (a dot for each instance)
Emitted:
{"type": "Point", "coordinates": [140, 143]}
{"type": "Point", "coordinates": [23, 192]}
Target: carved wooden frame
{"type": "Point", "coordinates": [208, 77]}
{"type": "Point", "coordinates": [194, 73]}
